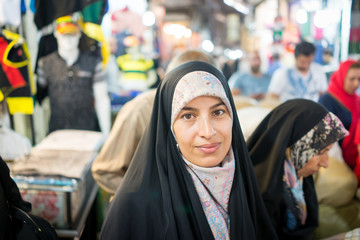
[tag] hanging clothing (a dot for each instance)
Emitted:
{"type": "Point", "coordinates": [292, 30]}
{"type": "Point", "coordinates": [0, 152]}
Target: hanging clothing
{"type": "Point", "coordinates": [16, 78]}
{"type": "Point", "coordinates": [70, 90]}
{"type": "Point", "coordinates": [347, 108]}
{"type": "Point", "coordinates": [304, 128]}
{"type": "Point", "coordinates": [158, 199]}
{"type": "Point", "coordinates": [134, 72]}
{"type": "Point", "coordinates": [46, 11]}
{"type": "Point", "coordinates": [10, 13]}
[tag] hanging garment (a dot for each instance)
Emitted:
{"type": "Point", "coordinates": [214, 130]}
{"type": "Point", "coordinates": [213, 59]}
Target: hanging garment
{"type": "Point", "coordinates": [16, 79]}
{"type": "Point", "coordinates": [46, 11]}
{"type": "Point", "coordinates": [70, 90]}
{"type": "Point", "coordinates": [10, 12]}
{"type": "Point", "coordinates": [135, 72]}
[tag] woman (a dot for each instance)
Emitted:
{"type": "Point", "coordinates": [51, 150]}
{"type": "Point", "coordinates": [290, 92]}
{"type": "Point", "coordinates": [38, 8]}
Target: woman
{"type": "Point", "coordinates": [15, 220]}
{"type": "Point", "coordinates": [288, 146]}
{"type": "Point", "coordinates": [342, 100]}
{"type": "Point", "coordinates": [191, 176]}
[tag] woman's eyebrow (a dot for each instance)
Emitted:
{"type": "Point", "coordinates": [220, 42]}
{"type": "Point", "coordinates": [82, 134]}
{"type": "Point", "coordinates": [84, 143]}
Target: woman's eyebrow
{"type": "Point", "coordinates": [188, 109]}
{"type": "Point", "coordinates": [217, 105]}
{"type": "Point", "coordinates": [195, 109]}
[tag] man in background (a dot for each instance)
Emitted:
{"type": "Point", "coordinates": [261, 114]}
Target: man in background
{"type": "Point", "coordinates": [252, 84]}
{"type": "Point", "coordinates": [304, 80]}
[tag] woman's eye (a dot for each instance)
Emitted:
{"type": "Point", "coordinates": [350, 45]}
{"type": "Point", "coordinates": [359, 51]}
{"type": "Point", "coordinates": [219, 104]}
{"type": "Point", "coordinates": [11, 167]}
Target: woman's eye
{"type": "Point", "coordinates": [219, 112]}
{"type": "Point", "coordinates": [187, 116]}
{"type": "Point", "coordinates": [322, 152]}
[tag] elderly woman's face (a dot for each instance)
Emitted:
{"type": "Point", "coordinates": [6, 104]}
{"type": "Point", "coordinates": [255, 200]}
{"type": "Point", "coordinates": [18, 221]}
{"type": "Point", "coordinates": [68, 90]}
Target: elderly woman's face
{"type": "Point", "coordinates": [315, 163]}
{"type": "Point", "coordinates": [203, 130]}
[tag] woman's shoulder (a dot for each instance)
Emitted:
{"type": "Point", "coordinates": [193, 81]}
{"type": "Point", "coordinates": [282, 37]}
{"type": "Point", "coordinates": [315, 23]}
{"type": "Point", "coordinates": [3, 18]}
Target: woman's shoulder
{"type": "Point", "coordinates": [332, 103]}
{"type": "Point", "coordinates": [133, 216]}
{"type": "Point", "coordinates": [135, 200]}
{"type": "Point", "coordinates": [327, 98]}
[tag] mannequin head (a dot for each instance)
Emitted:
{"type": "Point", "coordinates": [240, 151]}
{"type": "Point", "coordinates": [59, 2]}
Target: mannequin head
{"type": "Point", "coordinates": [132, 45]}
{"type": "Point", "coordinates": [67, 35]}
{"type": "Point", "coordinates": [67, 42]}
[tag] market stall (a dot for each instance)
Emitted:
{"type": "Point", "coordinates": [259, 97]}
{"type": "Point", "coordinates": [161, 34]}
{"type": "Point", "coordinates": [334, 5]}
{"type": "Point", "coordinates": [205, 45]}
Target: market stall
{"type": "Point", "coordinates": [56, 179]}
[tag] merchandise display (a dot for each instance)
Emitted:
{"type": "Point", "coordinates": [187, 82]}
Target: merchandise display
{"type": "Point", "coordinates": [56, 178]}
{"type": "Point", "coordinates": [78, 83]}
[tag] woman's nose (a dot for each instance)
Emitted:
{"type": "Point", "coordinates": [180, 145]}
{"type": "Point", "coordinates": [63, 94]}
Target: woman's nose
{"type": "Point", "coordinates": [357, 83]}
{"type": "Point", "coordinates": [206, 129]}
{"type": "Point", "coordinates": [324, 162]}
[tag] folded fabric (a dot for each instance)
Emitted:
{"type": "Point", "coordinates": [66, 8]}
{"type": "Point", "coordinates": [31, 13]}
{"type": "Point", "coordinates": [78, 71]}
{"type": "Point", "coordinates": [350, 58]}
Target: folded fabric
{"type": "Point", "coordinates": [64, 163]}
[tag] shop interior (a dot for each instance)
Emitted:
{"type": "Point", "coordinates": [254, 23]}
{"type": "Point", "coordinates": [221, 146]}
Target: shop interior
{"type": "Point", "coordinates": [52, 128]}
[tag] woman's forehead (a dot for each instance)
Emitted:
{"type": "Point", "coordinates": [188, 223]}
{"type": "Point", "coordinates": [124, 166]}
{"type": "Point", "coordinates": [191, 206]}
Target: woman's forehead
{"type": "Point", "coordinates": [204, 99]}
{"type": "Point", "coordinates": [196, 84]}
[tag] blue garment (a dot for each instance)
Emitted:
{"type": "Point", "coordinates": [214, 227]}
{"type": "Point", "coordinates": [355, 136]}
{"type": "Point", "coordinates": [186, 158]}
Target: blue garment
{"type": "Point", "coordinates": [338, 109]}
{"type": "Point", "coordinates": [23, 7]}
{"type": "Point", "coordinates": [249, 84]}
{"type": "Point", "coordinates": [273, 66]}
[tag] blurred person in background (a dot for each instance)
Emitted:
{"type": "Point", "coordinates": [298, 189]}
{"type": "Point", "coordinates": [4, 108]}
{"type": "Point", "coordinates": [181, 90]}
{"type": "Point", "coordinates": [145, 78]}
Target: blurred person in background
{"type": "Point", "coordinates": [305, 80]}
{"type": "Point", "coordinates": [252, 84]}
{"type": "Point", "coordinates": [289, 146]}
{"type": "Point", "coordinates": [342, 100]}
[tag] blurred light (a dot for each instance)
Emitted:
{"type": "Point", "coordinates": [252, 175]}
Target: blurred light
{"type": "Point", "coordinates": [311, 6]}
{"type": "Point", "coordinates": [177, 31]}
{"type": "Point", "coordinates": [324, 43]}
{"type": "Point", "coordinates": [188, 33]}
{"type": "Point", "coordinates": [322, 19]}
{"type": "Point", "coordinates": [239, 6]}
{"type": "Point", "coordinates": [148, 19]}
{"type": "Point", "coordinates": [233, 54]}
{"type": "Point", "coordinates": [301, 16]}
{"type": "Point", "coordinates": [207, 45]}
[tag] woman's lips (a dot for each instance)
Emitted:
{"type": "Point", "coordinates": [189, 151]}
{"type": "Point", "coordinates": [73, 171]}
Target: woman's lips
{"type": "Point", "coordinates": [209, 148]}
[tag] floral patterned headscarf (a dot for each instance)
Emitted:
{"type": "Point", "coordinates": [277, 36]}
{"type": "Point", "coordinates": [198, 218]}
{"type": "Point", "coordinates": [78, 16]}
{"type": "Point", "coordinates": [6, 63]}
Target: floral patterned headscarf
{"type": "Point", "coordinates": [329, 130]}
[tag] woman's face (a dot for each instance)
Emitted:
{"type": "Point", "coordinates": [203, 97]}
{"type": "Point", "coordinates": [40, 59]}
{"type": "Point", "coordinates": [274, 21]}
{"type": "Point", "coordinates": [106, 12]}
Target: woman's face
{"type": "Point", "coordinates": [203, 130]}
{"type": "Point", "coordinates": [352, 80]}
{"type": "Point", "coordinates": [315, 163]}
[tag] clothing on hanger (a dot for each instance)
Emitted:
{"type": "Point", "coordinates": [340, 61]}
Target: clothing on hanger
{"type": "Point", "coordinates": [16, 82]}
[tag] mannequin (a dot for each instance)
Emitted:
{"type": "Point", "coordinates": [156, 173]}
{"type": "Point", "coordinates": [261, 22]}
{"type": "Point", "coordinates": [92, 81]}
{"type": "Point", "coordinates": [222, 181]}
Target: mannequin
{"type": "Point", "coordinates": [137, 73]}
{"type": "Point", "coordinates": [76, 83]}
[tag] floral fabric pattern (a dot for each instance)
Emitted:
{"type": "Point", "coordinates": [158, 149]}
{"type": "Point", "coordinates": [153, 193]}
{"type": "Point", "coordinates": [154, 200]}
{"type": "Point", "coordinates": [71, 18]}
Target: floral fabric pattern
{"type": "Point", "coordinates": [329, 130]}
{"type": "Point", "coordinates": [213, 186]}
{"type": "Point", "coordinates": [296, 187]}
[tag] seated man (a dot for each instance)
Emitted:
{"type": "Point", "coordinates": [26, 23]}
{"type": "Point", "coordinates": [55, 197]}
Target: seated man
{"type": "Point", "coordinates": [305, 80]}
{"type": "Point", "coordinates": [253, 84]}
